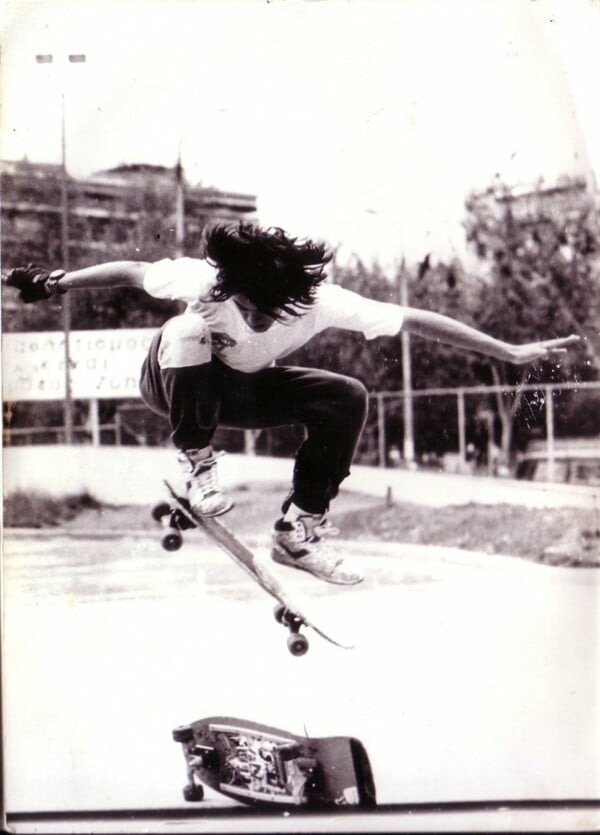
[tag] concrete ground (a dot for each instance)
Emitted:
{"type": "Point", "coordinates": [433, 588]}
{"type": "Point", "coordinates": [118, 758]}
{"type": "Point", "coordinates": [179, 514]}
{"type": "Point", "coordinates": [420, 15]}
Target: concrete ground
{"type": "Point", "coordinates": [468, 680]}
{"type": "Point", "coordinates": [133, 475]}
{"type": "Point", "coordinates": [472, 679]}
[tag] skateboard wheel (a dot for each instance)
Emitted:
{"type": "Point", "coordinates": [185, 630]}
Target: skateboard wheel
{"type": "Point", "coordinates": [172, 541]}
{"type": "Point", "coordinates": [307, 764]}
{"type": "Point", "coordinates": [160, 510]}
{"type": "Point", "coordinates": [279, 612]}
{"type": "Point", "coordinates": [297, 644]}
{"type": "Point", "coordinates": [184, 733]}
{"type": "Point", "coordinates": [193, 793]}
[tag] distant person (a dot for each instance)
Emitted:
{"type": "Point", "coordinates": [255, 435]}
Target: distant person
{"type": "Point", "coordinates": [258, 295]}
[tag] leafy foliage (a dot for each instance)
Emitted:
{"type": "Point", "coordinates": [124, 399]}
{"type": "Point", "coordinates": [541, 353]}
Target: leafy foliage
{"type": "Point", "coordinates": [378, 363]}
{"type": "Point", "coordinates": [541, 251]}
{"type": "Point", "coordinates": [39, 510]}
{"type": "Point", "coordinates": [539, 278]}
{"type": "Point", "coordinates": [543, 267]}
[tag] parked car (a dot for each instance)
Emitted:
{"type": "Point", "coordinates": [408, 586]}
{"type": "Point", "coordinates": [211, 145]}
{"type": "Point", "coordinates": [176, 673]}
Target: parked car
{"type": "Point", "coordinates": [570, 461]}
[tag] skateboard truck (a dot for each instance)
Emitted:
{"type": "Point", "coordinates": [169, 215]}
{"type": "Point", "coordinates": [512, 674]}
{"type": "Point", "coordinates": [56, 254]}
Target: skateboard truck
{"type": "Point", "coordinates": [197, 757]}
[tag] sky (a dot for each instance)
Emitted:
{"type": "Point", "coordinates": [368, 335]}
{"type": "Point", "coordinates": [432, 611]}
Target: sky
{"type": "Point", "coordinates": [362, 122]}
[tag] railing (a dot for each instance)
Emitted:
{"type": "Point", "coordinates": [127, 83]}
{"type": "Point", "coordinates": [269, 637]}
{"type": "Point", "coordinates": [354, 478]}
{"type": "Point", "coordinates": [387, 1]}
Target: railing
{"type": "Point", "coordinates": [124, 429]}
{"type": "Point", "coordinates": [383, 398]}
{"type": "Point", "coordinates": [51, 434]}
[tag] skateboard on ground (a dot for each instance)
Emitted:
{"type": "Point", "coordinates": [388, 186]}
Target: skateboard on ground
{"type": "Point", "coordinates": [178, 516]}
{"type": "Point", "coordinates": [256, 764]}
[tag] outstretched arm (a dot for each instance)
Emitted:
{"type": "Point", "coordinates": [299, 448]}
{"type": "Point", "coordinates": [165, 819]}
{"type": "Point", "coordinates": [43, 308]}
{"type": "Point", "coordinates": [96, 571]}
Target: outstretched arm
{"type": "Point", "coordinates": [36, 283]}
{"type": "Point", "coordinates": [442, 328]}
{"type": "Point", "coordinates": [111, 274]}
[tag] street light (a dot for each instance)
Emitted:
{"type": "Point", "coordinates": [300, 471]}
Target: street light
{"type": "Point", "coordinates": [409, 432]}
{"type": "Point", "coordinates": [74, 58]}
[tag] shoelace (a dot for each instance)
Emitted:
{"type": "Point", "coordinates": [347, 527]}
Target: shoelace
{"type": "Point", "coordinates": [326, 555]}
{"type": "Point", "coordinates": [206, 473]}
{"type": "Point", "coordinates": [325, 552]}
{"type": "Point", "coordinates": [324, 528]}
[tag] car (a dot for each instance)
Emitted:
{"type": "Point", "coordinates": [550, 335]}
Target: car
{"type": "Point", "coordinates": [569, 461]}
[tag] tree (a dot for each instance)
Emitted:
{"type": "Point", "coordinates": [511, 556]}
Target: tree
{"type": "Point", "coordinates": [378, 363]}
{"type": "Point", "coordinates": [541, 249]}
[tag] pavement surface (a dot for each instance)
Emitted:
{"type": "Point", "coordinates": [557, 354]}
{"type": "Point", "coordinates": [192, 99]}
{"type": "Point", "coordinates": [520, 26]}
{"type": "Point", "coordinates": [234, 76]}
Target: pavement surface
{"type": "Point", "coordinates": [472, 678]}
{"type": "Point", "coordinates": [469, 680]}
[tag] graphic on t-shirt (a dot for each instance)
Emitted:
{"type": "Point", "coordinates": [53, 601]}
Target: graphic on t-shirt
{"type": "Point", "coordinates": [222, 341]}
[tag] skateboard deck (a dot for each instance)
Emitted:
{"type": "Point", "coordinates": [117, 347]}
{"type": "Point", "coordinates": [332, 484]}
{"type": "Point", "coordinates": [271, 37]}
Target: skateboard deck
{"type": "Point", "coordinates": [178, 516]}
{"type": "Point", "coordinates": [257, 764]}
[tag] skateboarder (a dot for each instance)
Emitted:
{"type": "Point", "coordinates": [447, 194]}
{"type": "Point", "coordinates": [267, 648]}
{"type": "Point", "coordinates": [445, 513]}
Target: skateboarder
{"type": "Point", "coordinates": [256, 296]}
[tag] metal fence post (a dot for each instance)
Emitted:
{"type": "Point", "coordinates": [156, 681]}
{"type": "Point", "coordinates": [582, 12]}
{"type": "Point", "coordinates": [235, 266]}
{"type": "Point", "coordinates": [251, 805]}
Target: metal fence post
{"type": "Point", "coordinates": [250, 436]}
{"type": "Point", "coordinates": [462, 432]}
{"type": "Point", "coordinates": [94, 418]}
{"type": "Point", "coordinates": [550, 446]}
{"type": "Point", "coordinates": [381, 455]}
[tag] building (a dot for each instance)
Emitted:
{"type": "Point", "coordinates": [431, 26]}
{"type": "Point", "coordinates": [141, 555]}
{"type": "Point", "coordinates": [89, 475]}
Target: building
{"type": "Point", "coordinates": [143, 208]}
{"type": "Point", "coordinates": [559, 202]}
{"type": "Point", "coordinates": [140, 212]}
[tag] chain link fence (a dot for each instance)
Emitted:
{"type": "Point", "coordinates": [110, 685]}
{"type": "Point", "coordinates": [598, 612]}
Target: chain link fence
{"type": "Point", "coordinates": [491, 429]}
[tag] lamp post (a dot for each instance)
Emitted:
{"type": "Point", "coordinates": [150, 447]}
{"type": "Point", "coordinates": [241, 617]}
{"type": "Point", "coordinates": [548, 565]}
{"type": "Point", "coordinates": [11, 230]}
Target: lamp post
{"type": "Point", "coordinates": [179, 207]}
{"type": "Point", "coordinates": [78, 58]}
{"type": "Point", "coordinates": [409, 432]}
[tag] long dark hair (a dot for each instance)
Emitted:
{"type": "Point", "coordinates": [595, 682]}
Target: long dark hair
{"type": "Point", "coordinates": [277, 273]}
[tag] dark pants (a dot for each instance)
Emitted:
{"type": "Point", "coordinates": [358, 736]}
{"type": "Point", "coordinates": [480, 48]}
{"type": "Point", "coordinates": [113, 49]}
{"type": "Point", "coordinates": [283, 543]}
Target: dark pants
{"type": "Point", "coordinates": [331, 407]}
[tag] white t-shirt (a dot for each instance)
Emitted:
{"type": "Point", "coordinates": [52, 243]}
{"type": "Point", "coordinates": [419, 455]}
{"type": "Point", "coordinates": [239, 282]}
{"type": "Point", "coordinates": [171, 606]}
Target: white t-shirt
{"type": "Point", "coordinates": [236, 344]}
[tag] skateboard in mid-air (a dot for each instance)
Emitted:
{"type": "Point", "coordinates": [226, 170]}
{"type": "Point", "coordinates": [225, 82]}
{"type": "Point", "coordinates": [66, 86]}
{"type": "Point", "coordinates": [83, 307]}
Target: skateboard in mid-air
{"type": "Point", "coordinates": [257, 764]}
{"type": "Point", "coordinates": [177, 516]}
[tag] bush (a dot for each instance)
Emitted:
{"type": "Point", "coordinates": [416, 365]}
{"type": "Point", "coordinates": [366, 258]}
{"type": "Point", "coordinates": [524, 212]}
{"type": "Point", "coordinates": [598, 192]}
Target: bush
{"type": "Point", "coordinates": [39, 510]}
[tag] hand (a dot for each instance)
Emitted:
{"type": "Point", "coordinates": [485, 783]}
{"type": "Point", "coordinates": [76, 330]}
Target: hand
{"type": "Point", "coordinates": [34, 283]}
{"type": "Point", "coordinates": [522, 354]}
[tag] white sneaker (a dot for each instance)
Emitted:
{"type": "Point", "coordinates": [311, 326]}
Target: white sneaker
{"type": "Point", "coordinates": [203, 492]}
{"type": "Point", "coordinates": [300, 544]}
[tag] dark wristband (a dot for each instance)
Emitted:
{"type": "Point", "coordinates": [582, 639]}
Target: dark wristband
{"type": "Point", "coordinates": [52, 282]}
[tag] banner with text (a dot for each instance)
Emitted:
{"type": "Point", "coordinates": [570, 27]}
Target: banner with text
{"type": "Point", "coordinates": [104, 364]}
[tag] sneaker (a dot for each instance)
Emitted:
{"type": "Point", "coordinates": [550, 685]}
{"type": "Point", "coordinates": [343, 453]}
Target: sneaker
{"type": "Point", "coordinates": [300, 544]}
{"type": "Point", "coordinates": [203, 492]}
